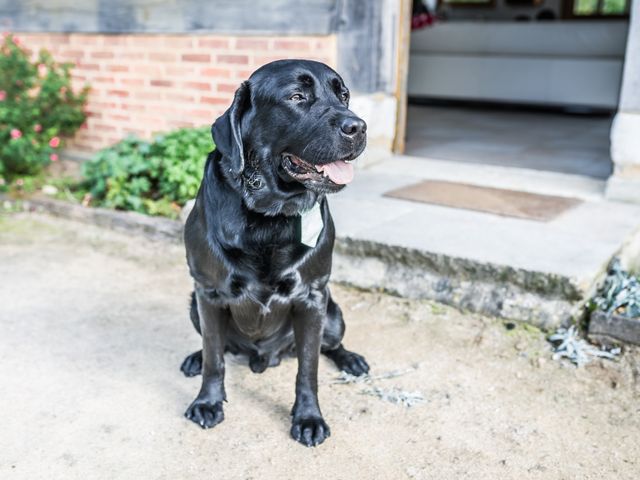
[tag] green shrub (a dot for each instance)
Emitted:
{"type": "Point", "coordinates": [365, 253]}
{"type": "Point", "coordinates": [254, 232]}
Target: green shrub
{"type": "Point", "coordinates": [37, 108]}
{"type": "Point", "coordinates": [155, 178]}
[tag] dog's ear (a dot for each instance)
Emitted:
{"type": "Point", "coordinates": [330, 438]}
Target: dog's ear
{"type": "Point", "coordinates": [226, 132]}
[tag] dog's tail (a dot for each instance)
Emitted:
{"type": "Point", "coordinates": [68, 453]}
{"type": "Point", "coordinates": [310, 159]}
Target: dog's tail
{"type": "Point", "coordinates": [193, 313]}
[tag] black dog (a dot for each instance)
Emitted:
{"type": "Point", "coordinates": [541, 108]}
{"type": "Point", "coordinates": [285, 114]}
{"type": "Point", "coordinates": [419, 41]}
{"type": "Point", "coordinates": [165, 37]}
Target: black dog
{"type": "Point", "coordinates": [260, 278]}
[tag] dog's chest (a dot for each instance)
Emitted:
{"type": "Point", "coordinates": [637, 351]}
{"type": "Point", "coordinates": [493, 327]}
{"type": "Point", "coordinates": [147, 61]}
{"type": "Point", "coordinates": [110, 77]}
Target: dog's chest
{"type": "Point", "coordinates": [257, 321]}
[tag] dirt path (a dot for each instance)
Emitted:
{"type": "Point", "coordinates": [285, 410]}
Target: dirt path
{"type": "Point", "coordinates": [93, 327]}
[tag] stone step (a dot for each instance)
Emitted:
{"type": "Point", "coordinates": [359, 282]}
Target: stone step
{"type": "Point", "coordinates": [538, 272]}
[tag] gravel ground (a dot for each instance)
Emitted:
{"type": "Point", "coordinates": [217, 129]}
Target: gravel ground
{"type": "Point", "coordinates": [94, 325]}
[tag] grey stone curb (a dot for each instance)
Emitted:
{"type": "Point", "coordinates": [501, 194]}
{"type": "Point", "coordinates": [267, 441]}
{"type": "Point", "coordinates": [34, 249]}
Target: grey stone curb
{"type": "Point", "coordinates": [156, 228]}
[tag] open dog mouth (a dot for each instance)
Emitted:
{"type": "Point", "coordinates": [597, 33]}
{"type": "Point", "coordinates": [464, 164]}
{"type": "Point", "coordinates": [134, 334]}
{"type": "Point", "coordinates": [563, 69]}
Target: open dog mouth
{"type": "Point", "coordinates": [339, 172]}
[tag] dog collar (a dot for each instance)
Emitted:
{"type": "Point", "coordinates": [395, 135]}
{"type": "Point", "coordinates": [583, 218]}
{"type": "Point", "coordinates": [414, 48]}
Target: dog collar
{"type": "Point", "coordinates": [311, 225]}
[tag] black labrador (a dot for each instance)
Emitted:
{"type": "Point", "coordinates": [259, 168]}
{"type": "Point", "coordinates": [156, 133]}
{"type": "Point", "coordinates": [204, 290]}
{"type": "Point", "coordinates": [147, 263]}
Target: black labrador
{"type": "Point", "coordinates": [259, 268]}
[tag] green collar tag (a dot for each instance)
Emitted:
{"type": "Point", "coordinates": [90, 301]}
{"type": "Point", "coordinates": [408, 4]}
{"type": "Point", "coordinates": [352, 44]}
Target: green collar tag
{"type": "Point", "coordinates": [312, 225]}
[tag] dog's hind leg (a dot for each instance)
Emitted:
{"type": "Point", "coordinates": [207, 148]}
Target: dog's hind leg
{"type": "Point", "coordinates": [193, 313]}
{"type": "Point", "coordinates": [345, 360]}
{"type": "Point", "coordinates": [192, 365]}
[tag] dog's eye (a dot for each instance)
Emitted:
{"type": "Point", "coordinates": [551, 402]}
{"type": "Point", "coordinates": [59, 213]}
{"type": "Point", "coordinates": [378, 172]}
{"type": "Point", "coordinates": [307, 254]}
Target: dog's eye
{"type": "Point", "coordinates": [344, 96]}
{"type": "Point", "coordinates": [297, 97]}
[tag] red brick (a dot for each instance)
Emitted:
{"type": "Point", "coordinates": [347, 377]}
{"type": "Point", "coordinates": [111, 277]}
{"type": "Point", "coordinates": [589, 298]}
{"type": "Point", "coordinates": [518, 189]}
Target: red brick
{"type": "Point", "coordinates": [215, 100]}
{"type": "Point", "coordinates": [118, 93]}
{"type": "Point", "coordinates": [149, 70]}
{"type": "Point", "coordinates": [213, 43]}
{"type": "Point", "coordinates": [196, 57]}
{"type": "Point", "coordinates": [145, 41]}
{"type": "Point", "coordinates": [252, 44]}
{"type": "Point", "coordinates": [146, 95]}
{"type": "Point", "coordinates": [227, 87]}
{"type": "Point", "coordinates": [120, 118]}
{"type": "Point", "coordinates": [57, 40]}
{"type": "Point", "coordinates": [87, 66]}
{"type": "Point", "coordinates": [84, 40]}
{"type": "Point", "coordinates": [129, 55]}
{"type": "Point", "coordinates": [103, 127]}
{"type": "Point", "coordinates": [102, 80]}
{"type": "Point", "coordinates": [291, 45]}
{"type": "Point", "coordinates": [216, 72]}
{"type": "Point", "coordinates": [133, 107]}
{"type": "Point", "coordinates": [135, 82]}
{"type": "Point", "coordinates": [71, 54]}
{"type": "Point", "coordinates": [178, 41]}
{"type": "Point", "coordinates": [115, 39]}
{"type": "Point", "coordinates": [161, 83]}
{"type": "Point", "coordinates": [233, 59]}
{"type": "Point", "coordinates": [258, 61]}
{"type": "Point", "coordinates": [102, 105]}
{"type": "Point", "coordinates": [200, 113]}
{"type": "Point", "coordinates": [180, 71]}
{"type": "Point", "coordinates": [117, 68]}
{"type": "Point", "coordinates": [102, 54]}
{"type": "Point", "coordinates": [179, 97]}
{"type": "Point", "coordinates": [163, 57]}
{"type": "Point", "coordinates": [243, 74]}
{"type": "Point", "coordinates": [197, 85]}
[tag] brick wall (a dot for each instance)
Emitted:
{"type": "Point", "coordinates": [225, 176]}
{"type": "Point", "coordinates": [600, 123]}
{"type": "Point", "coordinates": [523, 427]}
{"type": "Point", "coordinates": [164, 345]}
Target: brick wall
{"type": "Point", "coordinates": [143, 84]}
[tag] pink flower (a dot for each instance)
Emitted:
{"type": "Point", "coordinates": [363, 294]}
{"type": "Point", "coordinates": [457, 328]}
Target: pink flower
{"type": "Point", "coordinates": [54, 157]}
{"type": "Point", "coordinates": [63, 90]}
{"type": "Point", "coordinates": [42, 69]}
{"type": "Point", "coordinates": [15, 133]}
{"type": "Point", "coordinates": [3, 95]}
{"type": "Point", "coordinates": [37, 128]}
{"type": "Point", "coordinates": [16, 40]}
{"type": "Point", "coordinates": [54, 142]}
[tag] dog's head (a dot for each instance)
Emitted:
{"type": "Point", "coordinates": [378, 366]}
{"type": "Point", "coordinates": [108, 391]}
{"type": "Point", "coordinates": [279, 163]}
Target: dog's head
{"type": "Point", "coordinates": [289, 136]}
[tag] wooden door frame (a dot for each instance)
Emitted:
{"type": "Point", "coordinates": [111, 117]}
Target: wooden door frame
{"type": "Point", "coordinates": [401, 74]}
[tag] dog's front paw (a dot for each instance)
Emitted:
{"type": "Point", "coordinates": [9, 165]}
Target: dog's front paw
{"type": "Point", "coordinates": [205, 414]}
{"type": "Point", "coordinates": [310, 431]}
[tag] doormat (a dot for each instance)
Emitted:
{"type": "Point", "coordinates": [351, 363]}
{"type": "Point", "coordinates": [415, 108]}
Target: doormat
{"type": "Point", "coordinates": [508, 203]}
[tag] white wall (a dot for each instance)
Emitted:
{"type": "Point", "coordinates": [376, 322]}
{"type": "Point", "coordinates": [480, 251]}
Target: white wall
{"type": "Point", "coordinates": [564, 63]}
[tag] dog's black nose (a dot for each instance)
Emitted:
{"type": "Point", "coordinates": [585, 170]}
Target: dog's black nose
{"type": "Point", "coordinates": [352, 126]}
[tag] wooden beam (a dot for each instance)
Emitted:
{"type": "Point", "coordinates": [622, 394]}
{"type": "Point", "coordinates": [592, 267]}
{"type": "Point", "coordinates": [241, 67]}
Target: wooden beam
{"type": "Point", "coordinates": [402, 73]}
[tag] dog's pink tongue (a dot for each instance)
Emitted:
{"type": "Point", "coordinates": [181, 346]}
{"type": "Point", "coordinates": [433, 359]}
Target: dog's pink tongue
{"type": "Point", "coordinates": [339, 172]}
